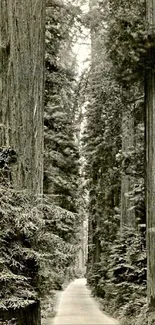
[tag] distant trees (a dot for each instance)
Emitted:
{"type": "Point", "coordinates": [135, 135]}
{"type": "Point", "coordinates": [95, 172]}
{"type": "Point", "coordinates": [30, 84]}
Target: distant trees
{"type": "Point", "coordinates": [61, 152]}
{"type": "Point", "coordinates": [61, 155]}
{"type": "Point", "coordinates": [113, 147]}
{"type": "Point", "coordinates": [127, 180]}
{"type": "Point", "coordinates": [39, 237]}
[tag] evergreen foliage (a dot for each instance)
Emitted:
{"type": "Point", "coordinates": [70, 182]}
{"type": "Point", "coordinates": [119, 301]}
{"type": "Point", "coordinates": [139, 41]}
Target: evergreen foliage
{"type": "Point", "coordinates": [38, 248]}
{"type": "Point", "coordinates": [125, 281]}
{"type": "Point", "coordinates": [116, 267]}
{"type": "Point", "coordinates": [19, 263]}
{"type": "Point", "coordinates": [40, 239]}
{"type": "Point", "coordinates": [59, 243]}
{"type": "Point", "coordinates": [61, 156]}
{"type": "Point", "coordinates": [61, 152]}
{"type": "Point", "coordinates": [127, 40]}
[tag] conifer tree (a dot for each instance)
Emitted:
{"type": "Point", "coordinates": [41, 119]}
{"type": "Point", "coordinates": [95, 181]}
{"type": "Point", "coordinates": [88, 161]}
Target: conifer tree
{"type": "Point", "coordinates": [115, 155]}
{"type": "Point", "coordinates": [61, 152]}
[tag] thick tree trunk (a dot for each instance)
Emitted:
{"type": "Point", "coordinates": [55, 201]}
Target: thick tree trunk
{"type": "Point", "coordinates": [127, 182]}
{"type": "Point", "coordinates": [150, 190]}
{"type": "Point", "coordinates": [21, 89]}
{"type": "Point", "coordinates": [21, 102]}
{"type": "Point", "coordinates": [30, 315]}
{"type": "Point", "coordinates": [150, 164]}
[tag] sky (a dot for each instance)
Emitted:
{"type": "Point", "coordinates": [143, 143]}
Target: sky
{"type": "Point", "coordinates": [82, 47]}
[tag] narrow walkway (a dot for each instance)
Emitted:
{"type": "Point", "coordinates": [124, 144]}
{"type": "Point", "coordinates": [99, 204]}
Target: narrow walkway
{"type": "Point", "coordinates": [77, 307]}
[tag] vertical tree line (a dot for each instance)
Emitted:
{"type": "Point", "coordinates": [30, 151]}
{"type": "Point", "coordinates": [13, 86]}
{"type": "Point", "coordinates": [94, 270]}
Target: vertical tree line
{"type": "Point", "coordinates": [39, 224]}
{"type": "Point", "coordinates": [41, 209]}
{"type": "Point", "coordinates": [114, 149]}
{"type": "Point", "coordinates": [150, 195]}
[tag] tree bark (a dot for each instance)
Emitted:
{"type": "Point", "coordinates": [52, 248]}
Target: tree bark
{"type": "Point", "coordinates": [21, 89]}
{"type": "Point", "coordinates": [150, 191]}
{"type": "Point", "coordinates": [150, 163]}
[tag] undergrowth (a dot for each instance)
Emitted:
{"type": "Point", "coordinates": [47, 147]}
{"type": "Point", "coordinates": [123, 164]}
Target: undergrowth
{"type": "Point", "coordinates": [121, 278]}
{"type": "Point", "coordinates": [35, 259]}
{"type": "Point", "coordinates": [19, 260]}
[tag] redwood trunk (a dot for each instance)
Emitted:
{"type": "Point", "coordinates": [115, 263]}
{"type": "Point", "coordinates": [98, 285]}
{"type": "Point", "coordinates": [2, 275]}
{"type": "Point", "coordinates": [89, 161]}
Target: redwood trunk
{"type": "Point", "coordinates": [150, 190]}
{"type": "Point", "coordinates": [150, 163]}
{"type": "Point", "coordinates": [21, 104]}
{"type": "Point", "coordinates": [21, 89]}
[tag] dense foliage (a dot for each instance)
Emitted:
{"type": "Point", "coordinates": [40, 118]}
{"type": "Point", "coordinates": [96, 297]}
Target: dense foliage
{"type": "Point", "coordinates": [61, 152]}
{"type": "Point", "coordinates": [61, 167]}
{"type": "Point", "coordinates": [38, 244]}
{"type": "Point", "coordinates": [40, 238]}
{"type": "Point", "coordinates": [20, 223]}
{"type": "Point", "coordinates": [113, 147]}
{"type": "Point", "coordinates": [127, 39]}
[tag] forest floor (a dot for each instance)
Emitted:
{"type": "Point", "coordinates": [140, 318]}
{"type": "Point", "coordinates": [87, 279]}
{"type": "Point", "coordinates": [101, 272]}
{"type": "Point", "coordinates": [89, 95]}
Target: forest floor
{"type": "Point", "coordinates": [76, 306]}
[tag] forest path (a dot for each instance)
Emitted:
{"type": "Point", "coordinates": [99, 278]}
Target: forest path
{"type": "Point", "coordinates": [77, 307]}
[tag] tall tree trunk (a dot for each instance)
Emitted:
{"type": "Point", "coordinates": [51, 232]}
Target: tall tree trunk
{"type": "Point", "coordinates": [127, 182]}
{"type": "Point", "coordinates": [150, 165]}
{"type": "Point", "coordinates": [21, 89]}
{"type": "Point", "coordinates": [150, 191]}
{"type": "Point", "coordinates": [21, 102]}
